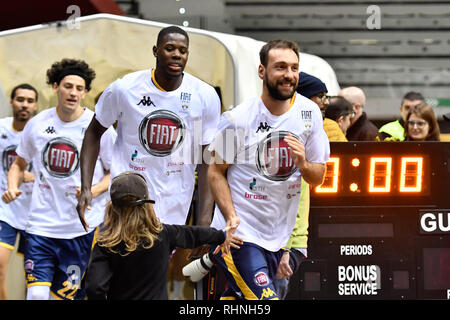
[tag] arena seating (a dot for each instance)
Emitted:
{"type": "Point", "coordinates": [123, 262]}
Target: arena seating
{"type": "Point", "coordinates": [410, 50]}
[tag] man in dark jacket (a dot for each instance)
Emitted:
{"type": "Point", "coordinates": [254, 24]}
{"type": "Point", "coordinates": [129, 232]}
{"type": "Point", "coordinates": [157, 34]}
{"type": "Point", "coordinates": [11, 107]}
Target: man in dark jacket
{"type": "Point", "coordinates": [361, 128]}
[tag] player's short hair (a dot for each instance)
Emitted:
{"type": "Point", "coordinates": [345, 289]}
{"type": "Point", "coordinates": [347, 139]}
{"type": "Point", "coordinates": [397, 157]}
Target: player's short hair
{"type": "Point", "coordinates": [276, 44]}
{"type": "Point", "coordinates": [168, 30]}
{"type": "Point", "coordinates": [65, 67]}
{"type": "Point", "coordinates": [23, 86]}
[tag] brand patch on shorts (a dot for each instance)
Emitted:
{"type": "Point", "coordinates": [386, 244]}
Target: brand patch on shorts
{"type": "Point", "coordinates": [261, 279]}
{"type": "Point", "coordinates": [29, 266]}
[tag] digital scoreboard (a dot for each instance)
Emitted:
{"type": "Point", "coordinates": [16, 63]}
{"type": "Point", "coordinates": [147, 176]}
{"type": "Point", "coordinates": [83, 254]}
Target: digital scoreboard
{"type": "Point", "coordinates": [379, 225]}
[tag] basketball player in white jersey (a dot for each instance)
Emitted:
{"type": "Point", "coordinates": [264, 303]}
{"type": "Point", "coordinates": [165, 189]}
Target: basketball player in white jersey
{"type": "Point", "coordinates": [164, 117]}
{"type": "Point", "coordinates": [263, 147]}
{"type": "Point", "coordinates": [58, 247]}
{"type": "Point", "coordinates": [13, 216]}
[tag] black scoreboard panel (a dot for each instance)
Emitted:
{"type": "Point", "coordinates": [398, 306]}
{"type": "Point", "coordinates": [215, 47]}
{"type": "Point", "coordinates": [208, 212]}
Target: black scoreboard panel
{"type": "Point", "coordinates": [379, 224]}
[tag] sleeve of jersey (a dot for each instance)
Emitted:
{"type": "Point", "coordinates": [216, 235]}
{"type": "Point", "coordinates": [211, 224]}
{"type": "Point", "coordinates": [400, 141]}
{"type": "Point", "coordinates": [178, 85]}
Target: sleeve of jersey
{"type": "Point", "coordinates": [227, 140]}
{"type": "Point", "coordinates": [107, 147]}
{"type": "Point", "coordinates": [98, 275]}
{"type": "Point", "coordinates": [107, 107]}
{"type": "Point", "coordinates": [26, 149]}
{"type": "Point", "coordinates": [211, 117]}
{"type": "Point", "coordinates": [317, 145]}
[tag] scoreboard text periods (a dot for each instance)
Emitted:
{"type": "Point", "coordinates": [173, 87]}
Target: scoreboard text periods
{"type": "Point", "coordinates": [388, 204]}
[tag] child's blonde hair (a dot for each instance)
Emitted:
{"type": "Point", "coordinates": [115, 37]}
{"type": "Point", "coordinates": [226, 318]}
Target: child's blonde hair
{"type": "Point", "coordinates": [132, 225]}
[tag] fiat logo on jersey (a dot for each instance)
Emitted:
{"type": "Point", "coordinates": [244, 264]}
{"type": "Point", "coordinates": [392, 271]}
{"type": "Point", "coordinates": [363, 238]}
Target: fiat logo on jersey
{"type": "Point", "coordinates": [161, 132]}
{"type": "Point", "coordinates": [273, 157]}
{"type": "Point", "coordinates": [60, 157]}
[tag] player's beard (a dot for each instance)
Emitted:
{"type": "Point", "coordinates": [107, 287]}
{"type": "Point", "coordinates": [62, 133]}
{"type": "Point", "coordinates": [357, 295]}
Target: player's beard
{"type": "Point", "coordinates": [277, 94]}
{"type": "Point", "coordinates": [22, 118]}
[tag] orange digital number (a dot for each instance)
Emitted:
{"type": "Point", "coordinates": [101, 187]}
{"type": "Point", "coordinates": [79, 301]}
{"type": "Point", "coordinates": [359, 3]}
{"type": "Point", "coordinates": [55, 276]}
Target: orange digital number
{"type": "Point", "coordinates": [330, 183]}
{"type": "Point", "coordinates": [411, 174]}
{"type": "Point", "coordinates": [380, 174]}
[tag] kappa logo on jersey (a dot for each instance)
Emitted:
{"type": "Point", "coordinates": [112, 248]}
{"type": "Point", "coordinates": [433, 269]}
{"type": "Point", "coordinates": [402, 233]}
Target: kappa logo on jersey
{"type": "Point", "coordinates": [261, 279]}
{"type": "Point", "coordinates": [60, 157]}
{"type": "Point", "coordinates": [146, 102]}
{"type": "Point", "coordinates": [263, 127]}
{"type": "Point", "coordinates": [50, 130]}
{"type": "Point", "coordinates": [161, 132]}
{"type": "Point", "coordinates": [273, 157]}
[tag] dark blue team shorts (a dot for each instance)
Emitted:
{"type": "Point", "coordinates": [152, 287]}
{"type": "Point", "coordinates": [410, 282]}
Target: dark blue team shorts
{"type": "Point", "coordinates": [58, 263]}
{"type": "Point", "coordinates": [249, 272]}
{"type": "Point", "coordinates": [8, 235]}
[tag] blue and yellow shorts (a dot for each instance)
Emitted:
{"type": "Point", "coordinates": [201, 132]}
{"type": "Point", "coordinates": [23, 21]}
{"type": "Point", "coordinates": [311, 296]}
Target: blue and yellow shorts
{"type": "Point", "coordinates": [58, 263]}
{"type": "Point", "coordinates": [249, 272]}
{"type": "Point", "coordinates": [8, 236]}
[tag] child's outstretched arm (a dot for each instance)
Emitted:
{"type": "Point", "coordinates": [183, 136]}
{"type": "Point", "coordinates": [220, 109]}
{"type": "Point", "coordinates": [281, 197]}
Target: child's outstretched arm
{"type": "Point", "coordinates": [193, 236]}
{"type": "Point", "coordinates": [231, 240]}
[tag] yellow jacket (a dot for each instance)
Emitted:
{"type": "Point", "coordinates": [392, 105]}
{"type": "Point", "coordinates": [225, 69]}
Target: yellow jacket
{"type": "Point", "coordinates": [333, 130]}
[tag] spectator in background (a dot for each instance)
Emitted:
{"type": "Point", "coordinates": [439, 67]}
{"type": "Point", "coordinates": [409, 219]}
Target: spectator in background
{"type": "Point", "coordinates": [341, 111]}
{"type": "Point", "coordinates": [395, 130]}
{"type": "Point", "coordinates": [421, 124]}
{"type": "Point", "coordinates": [361, 128]}
{"type": "Point", "coordinates": [314, 89]}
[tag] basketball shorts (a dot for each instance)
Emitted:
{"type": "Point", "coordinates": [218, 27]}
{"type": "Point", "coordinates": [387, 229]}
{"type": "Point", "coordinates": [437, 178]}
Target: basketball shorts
{"type": "Point", "coordinates": [249, 272]}
{"type": "Point", "coordinates": [58, 263]}
{"type": "Point", "coordinates": [8, 236]}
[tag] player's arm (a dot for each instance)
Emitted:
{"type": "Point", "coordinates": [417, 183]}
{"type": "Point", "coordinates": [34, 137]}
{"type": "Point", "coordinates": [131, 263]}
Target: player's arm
{"type": "Point", "coordinates": [102, 186]}
{"type": "Point", "coordinates": [205, 198]}
{"type": "Point", "coordinates": [28, 176]}
{"type": "Point", "coordinates": [217, 178]}
{"type": "Point", "coordinates": [313, 173]}
{"type": "Point", "coordinates": [89, 154]}
{"type": "Point", "coordinates": [15, 178]}
{"type": "Point", "coordinates": [98, 188]}
{"type": "Point", "coordinates": [203, 211]}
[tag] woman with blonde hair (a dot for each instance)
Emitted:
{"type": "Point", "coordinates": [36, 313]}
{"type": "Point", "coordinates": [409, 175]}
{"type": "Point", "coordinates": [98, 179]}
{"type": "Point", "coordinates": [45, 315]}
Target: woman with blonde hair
{"type": "Point", "coordinates": [130, 259]}
{"type": "Point", "coordinates": [421, 124]}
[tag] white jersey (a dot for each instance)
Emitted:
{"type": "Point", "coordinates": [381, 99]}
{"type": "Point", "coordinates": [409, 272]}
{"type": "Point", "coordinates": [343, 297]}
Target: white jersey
{"type": "Point", "coordinates": [16, 212]}
{"type": "Point", "coordinates": [160, 135]}
{"type": "Point", "coordinates": [54, 148]}
{"type": "Point", "coordinates": [264, 182]}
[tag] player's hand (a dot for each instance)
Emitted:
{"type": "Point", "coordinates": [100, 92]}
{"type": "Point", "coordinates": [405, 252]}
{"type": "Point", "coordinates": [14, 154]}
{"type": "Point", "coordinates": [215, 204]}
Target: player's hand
{"type": "Point", "coordinates": [297, 150]}
{"type": "Point", "coordinates": [11, 195]}
{"type": "Point", "coordinates": [84, 202]}
{"type": "Point", "coordinates": [284, 270]}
